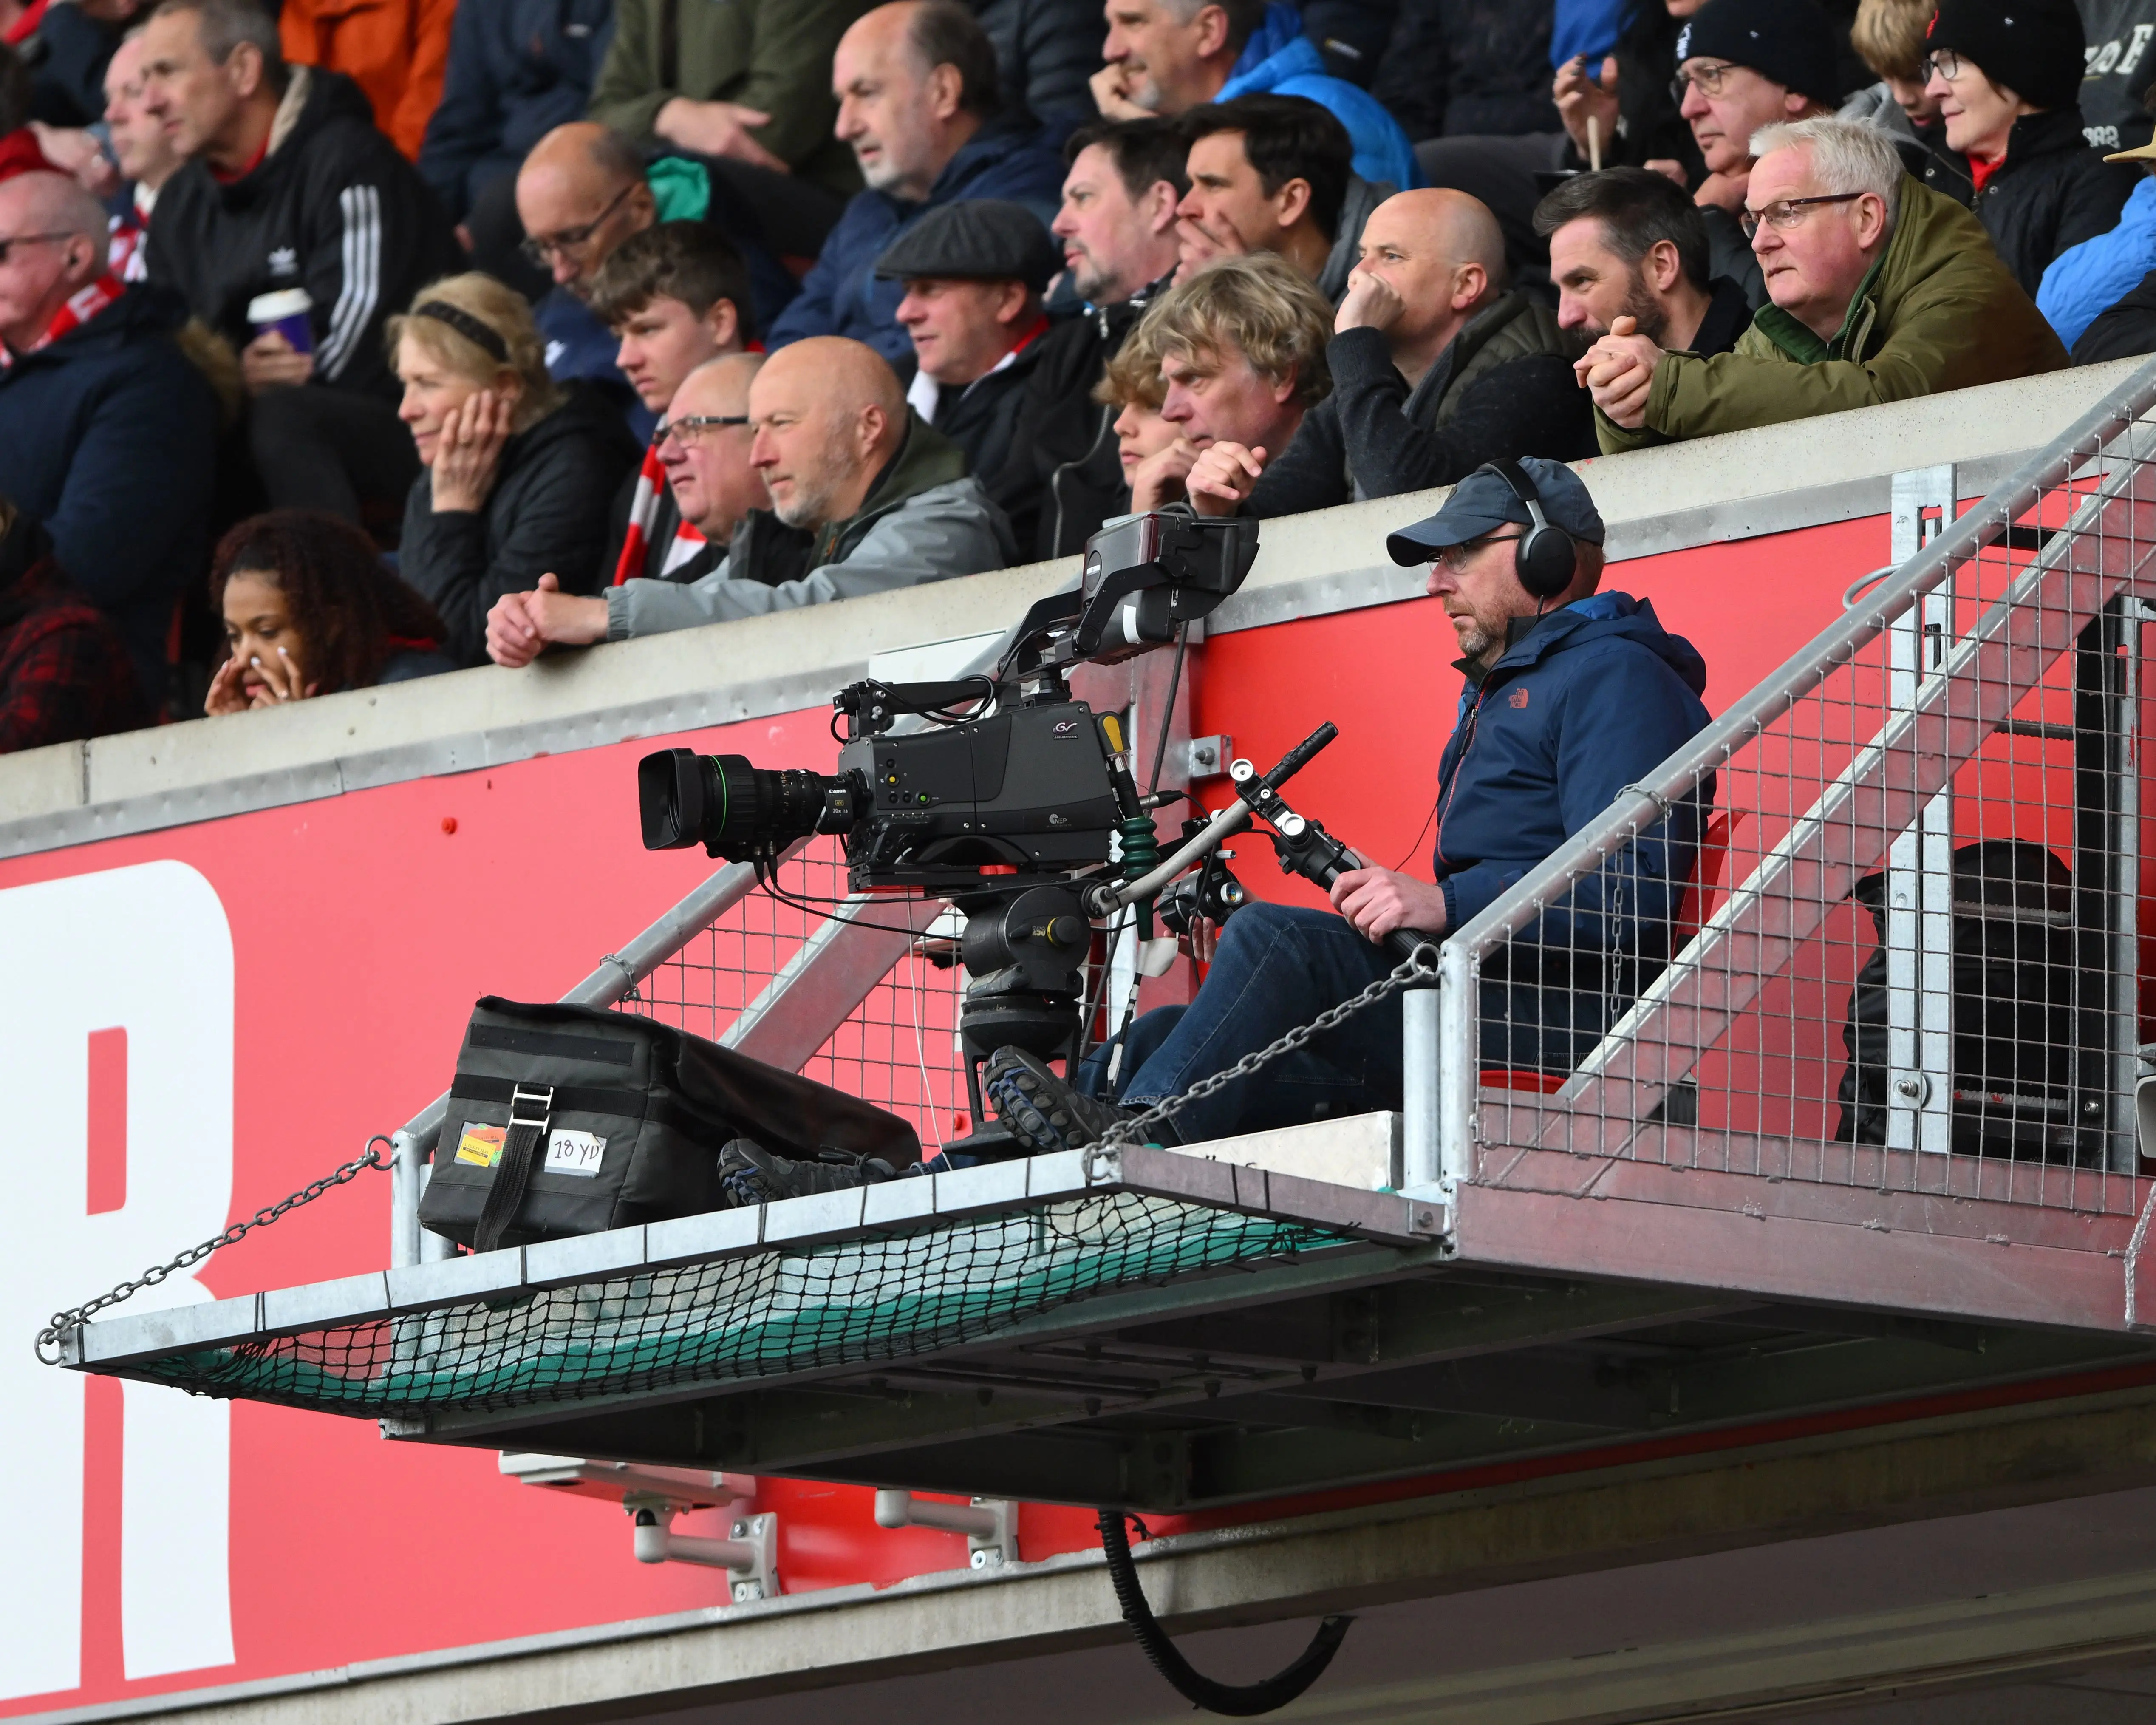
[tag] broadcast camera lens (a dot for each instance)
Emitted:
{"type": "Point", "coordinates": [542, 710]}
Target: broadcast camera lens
{"type": "Point", "coordinates": [732, 809]}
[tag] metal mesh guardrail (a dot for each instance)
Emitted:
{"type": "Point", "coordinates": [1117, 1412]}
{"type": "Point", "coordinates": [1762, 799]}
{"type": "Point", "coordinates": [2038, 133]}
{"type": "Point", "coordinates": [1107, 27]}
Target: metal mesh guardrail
{"type": "Point", "coordinates": [897, 1048]}
{"type": "Point", "coordinates": [1878, 926]}
{"type": "Point", "coordinates": [772, 1312]}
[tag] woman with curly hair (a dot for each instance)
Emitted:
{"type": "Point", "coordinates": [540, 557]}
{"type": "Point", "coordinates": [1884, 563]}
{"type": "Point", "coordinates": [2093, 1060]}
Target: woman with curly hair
{"type": "Point", "coordinates": [517, 476]}
{"type": "Point", "coordinates": [309, 609]}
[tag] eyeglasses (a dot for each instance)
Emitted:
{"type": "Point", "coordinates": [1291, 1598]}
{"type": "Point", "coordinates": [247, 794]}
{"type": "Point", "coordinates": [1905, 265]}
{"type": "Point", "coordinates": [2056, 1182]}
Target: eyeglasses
{"type": "Point", "coordinates": [541, 249]}
{"type": "Point", "coordinates": [1707, 78]}
{"type": "Point", "coordinates": [1944, 64]}
{"type": "Point", "coordinates": [689, 429]}
{"type": "Point", "coordinates": [15, 239]}
{"type": "Point", "coordinates": [1787, 212]}
{"type": "Point", "coordinates": [1455, 558]}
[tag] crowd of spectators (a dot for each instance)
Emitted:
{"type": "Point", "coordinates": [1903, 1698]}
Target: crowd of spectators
{"type": "Point", "coordinates": [346, 345]}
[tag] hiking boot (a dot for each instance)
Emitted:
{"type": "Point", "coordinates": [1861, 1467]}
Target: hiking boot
{"type": "Point", "coordinates": [1041, 1111]}
{"type": "Point", "coordinates": [750, 1175]}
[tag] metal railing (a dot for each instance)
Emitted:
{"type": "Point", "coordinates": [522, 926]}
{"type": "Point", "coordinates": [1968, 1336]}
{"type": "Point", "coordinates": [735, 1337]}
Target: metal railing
{"type": "Point", "coordinates": [1878, 925]}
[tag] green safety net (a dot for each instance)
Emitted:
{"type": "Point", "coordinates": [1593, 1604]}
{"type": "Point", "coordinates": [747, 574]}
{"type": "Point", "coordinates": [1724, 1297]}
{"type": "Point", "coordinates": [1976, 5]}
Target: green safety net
{"type": "Point", "coordinates": [768, 1314]}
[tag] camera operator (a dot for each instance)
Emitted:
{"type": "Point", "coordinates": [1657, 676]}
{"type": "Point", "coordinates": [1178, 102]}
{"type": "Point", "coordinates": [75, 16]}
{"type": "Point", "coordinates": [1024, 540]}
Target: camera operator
{"type": "Point", "coordinates": [1568, 698]}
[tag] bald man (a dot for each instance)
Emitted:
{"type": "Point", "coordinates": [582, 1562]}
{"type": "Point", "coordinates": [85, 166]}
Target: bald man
{"type": "Point", "coordinates": [579, 194]}
{"type": "Point", "coordinates": [1436, 369]}
{"type": "Point", "coordinates": [918, 105]}
{"type": "Point", "coordinates": [874, 497]}
{"type": "Point", "coordinates": [108, 434]}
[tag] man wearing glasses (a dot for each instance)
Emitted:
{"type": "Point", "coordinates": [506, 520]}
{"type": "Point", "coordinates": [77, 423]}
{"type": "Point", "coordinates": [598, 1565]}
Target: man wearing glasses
{"type": "Point", "coordinates": [1567, 697]}
{"type": "Point", "coordinates": [702, 451]}
{"type": "Point", "coordinates": [1880, 288]}
{"type": "Point", "coordinates": [1743, 64]}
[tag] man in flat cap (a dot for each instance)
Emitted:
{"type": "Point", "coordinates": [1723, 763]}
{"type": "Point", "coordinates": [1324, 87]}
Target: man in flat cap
{"type": "Point", "coordinates": [1570, 694]}
{"type": "Point", "coordinates": [973, 273]}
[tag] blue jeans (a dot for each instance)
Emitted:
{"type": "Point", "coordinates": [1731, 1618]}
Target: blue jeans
{"type": "Point", "coordinates": [1277, 967]}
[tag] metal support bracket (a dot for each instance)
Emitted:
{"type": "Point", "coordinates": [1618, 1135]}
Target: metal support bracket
{"type": "Point", "coordinates": [1920, 864]}
{"type": "Point", "coordinates": [990, 1524]}
{"type": "Point", "coordinates": [750, 1556]}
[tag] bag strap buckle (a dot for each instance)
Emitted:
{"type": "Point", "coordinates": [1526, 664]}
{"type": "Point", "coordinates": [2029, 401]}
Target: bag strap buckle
{"type": "Point", "coordinates": [538, 1096]}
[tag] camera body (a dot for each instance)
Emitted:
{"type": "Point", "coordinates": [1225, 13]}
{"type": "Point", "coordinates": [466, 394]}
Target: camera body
{"type": "Point", "coordinates": [1022, 786]}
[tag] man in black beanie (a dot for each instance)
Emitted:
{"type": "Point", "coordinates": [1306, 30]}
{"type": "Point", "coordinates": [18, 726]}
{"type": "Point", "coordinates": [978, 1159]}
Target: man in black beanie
{"type": "Point", "coordinates": [2008, 83]}
{"type": "Point", "coordinates": [1743, 64]}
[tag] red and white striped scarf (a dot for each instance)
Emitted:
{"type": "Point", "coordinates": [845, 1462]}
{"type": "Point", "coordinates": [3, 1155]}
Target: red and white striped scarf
{"type": "Point", "coordinates": [82, 306]}
{"type": "Point", "coordinates": [644, 517]}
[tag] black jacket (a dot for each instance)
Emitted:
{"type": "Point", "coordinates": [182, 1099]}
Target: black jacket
{"type": "Point", "coordinates": [981, 416]}
{"type": "Point", "coordinates": [67, 55]}
{"type": "Point", "coordinates": [1046, 53]}
{"type": "Point", "coordinates": [2052, 191]}
{"type": "Point", "coordinates": [109, 438]}
{"type": "Point", "coordinates": [332, 208]}
{"type": "Point", "coordinates": [1456, 67]}
{"type": "Point", "coordinates": [1729, 316]}
{"type": "Point", "coordinates": [546, 514]}
{"type": "Point", "coordinates": [1061, 476]}
{"type": "Point", "coordinates": [1504, 388]}
{"type": "Point", "coordinates": [2127, 330]}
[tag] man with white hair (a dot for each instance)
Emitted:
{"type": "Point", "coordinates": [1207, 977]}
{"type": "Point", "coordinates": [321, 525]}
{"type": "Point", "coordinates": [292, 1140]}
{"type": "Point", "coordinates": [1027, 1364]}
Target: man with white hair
{"type": "Point", "coordinates": [883, 499]}
{"type": "Point", "coordinates": [1879, 289]}
{"type": "Point", "coordinates": [108, 434]}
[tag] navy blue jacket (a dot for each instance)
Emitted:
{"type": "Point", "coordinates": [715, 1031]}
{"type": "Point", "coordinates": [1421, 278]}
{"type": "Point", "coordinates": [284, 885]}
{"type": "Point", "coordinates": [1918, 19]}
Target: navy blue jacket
{"type": "Point", "coordinates": [1011, 157]}
{"type": "Point", "coordinates": [109, 438]}
{"type": "Point", "coordinates": [1590, 699]}
{"type": "Point", "coordinates": [517, 69]}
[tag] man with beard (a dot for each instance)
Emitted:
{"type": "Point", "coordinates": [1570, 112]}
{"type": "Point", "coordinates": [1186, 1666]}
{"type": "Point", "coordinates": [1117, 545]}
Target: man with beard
{"type": "Point", "coordinates": [1062, 477]}
{"type": "Point", "coordinates": [885, 503]}
{"type": "Point", "coordinates": [1570, 695]}
{"type": "Point", "coordinates": [1628, 243]}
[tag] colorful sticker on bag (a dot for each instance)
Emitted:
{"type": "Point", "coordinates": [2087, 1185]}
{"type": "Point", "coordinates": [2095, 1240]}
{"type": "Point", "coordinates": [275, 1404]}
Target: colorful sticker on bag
{"type": "Point", "coordinates": [573, 1152]}
{"type": "Point", "coordinates": [480, 1145]}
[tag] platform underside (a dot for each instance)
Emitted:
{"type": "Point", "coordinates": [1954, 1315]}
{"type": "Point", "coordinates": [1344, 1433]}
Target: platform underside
{"type": "Point", "coordinates": [1573, 1305]}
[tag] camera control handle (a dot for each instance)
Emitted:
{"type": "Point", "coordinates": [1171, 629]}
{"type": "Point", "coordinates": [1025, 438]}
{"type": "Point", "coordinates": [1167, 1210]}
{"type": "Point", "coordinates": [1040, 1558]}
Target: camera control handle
{"type": "Point", "coordinates": [1304, 848]}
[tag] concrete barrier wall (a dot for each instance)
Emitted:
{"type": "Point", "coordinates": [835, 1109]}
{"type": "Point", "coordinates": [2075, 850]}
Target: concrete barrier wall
{"type": "Point", "coordinates": [1722, 489]}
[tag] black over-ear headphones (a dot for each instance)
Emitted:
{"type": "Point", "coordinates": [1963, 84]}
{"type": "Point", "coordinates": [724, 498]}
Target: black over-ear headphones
{"type": "Point", "coordinates": [1545, 555]}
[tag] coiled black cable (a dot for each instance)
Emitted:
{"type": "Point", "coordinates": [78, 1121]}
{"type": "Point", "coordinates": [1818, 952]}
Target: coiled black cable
{"type": "Point", "coordinates": [1238, 1701]}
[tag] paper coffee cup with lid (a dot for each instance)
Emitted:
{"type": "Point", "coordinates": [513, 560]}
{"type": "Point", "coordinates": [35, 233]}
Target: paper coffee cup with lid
{"type": "Point", "coordinates": [285, 311]}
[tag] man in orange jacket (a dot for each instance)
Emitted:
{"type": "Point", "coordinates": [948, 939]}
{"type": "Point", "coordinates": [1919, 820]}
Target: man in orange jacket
{"type": "Point", "coordinates": [395, 50]}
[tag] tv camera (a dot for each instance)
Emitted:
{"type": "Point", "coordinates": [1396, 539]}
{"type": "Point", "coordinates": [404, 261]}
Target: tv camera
{"type": "Point", "coordinates": [1012, 799]}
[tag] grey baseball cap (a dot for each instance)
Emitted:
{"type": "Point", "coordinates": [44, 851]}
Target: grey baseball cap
{"type": "Point", "coordinates": [1482, 504]}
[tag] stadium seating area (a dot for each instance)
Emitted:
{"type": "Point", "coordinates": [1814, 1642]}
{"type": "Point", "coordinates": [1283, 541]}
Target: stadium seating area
{"type": "Point", "coordinates": [339, 348]}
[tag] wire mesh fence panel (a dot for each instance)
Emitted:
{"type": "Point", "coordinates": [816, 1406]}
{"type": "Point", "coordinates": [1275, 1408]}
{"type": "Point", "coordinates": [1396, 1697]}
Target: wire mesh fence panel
{"type": "Point", "coordinates": [1879, 926]}
{"type": "Point", "coordinates": [897, 1049]}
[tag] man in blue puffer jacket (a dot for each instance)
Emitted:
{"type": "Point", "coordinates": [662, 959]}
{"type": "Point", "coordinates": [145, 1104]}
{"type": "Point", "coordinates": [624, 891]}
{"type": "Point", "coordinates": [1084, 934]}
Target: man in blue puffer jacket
{"type": "Point", "coordinates": [1168, 56]}
{"type": "Point", "coordinates": [1569, 700]}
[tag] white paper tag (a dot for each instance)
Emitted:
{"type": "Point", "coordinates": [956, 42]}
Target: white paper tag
{"type": "Point", "coordinates": [572, 1153]}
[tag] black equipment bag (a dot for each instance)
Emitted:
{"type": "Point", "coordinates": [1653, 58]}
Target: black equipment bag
{"type": "Point", "coordinates": [2015, 1045]}
{"type": "Point", "coordinates": [569, 1120]}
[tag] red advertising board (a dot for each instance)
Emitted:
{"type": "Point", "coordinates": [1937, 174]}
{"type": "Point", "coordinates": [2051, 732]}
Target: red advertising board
{"type": "Point", "coordinates": [199, 1020]}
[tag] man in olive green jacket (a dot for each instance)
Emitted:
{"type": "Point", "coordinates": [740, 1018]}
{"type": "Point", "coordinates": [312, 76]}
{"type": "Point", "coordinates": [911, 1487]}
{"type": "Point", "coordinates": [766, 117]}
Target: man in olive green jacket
{"type": "Point", "coordinates": [748, 81]}
{"type": "Point", "coordinates": [1877, 294]}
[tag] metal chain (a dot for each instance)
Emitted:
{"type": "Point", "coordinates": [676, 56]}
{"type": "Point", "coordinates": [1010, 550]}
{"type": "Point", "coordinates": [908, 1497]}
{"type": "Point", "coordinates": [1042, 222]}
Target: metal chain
{"type": "Point", "coordinates": [1419, 967]}
{"type": "Point", "coordinates": [48, 1337]}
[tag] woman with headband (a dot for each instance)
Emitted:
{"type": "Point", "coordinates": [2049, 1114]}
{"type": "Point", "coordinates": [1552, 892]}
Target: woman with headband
{"type": "Point", "coordinates": [517, 476]}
